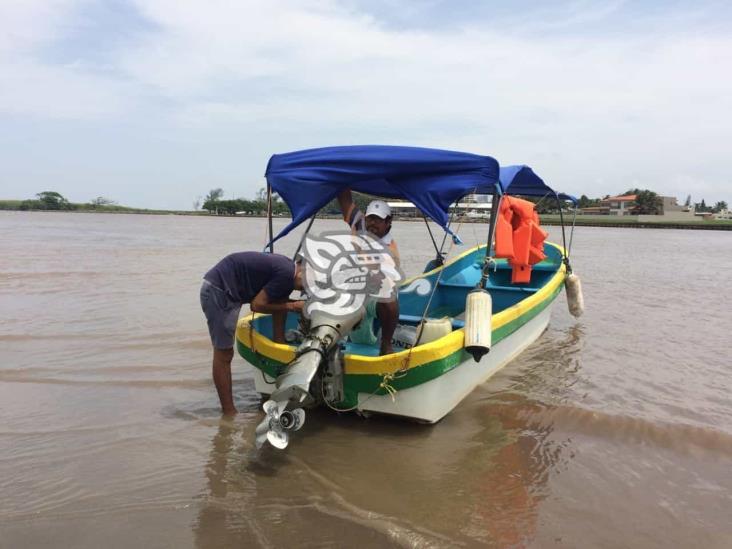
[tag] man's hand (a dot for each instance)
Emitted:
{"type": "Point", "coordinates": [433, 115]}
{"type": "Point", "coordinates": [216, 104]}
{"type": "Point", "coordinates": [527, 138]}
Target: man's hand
{"type": "Point", "coordinates": [295, 306]}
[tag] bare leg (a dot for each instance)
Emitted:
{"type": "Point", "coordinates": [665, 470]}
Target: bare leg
{"type": "Point", "coordinates": [222, 379]}
{"type": "Point", "coordinates": [388, 315]}
{"type": "Point", "coordinates": [278, 327]}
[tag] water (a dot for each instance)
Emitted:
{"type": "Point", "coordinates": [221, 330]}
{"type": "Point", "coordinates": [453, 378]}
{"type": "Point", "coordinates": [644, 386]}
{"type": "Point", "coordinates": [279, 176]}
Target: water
{"type": "Point", "coordinates": [610, 431]}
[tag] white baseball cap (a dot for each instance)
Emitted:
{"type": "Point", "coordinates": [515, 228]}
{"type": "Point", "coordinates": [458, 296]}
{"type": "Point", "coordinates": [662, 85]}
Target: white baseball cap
{"type": "Point", "coordinates": [378, 208]}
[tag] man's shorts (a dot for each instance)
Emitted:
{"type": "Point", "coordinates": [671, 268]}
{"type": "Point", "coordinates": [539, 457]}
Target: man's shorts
{"type": "Point", "coordinates": [221, 313]}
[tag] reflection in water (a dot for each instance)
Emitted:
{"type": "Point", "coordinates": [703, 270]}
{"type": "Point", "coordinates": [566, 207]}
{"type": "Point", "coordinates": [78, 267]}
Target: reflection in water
{"type": "Point", "coordinates": [478, 476]}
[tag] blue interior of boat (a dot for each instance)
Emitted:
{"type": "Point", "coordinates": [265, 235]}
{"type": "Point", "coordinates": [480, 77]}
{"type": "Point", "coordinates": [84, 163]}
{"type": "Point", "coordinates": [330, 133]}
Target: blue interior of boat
{"type": "Point", "coordinates": [458, 278]}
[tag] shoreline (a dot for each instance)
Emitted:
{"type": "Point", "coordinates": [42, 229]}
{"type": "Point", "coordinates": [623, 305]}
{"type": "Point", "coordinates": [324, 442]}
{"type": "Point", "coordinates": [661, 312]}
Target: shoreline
{"type": "Point", "coordinates": [553, 221]}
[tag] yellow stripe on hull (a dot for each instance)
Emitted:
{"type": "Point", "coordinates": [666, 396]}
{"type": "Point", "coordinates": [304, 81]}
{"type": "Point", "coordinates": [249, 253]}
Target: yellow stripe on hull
{"type": "Point", "coordinates": [420, 355]}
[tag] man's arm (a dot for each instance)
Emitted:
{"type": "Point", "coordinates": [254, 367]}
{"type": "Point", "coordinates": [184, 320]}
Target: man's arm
{"type": "Point", "coordinates": [345, 201]}
{"type": "Point", "coordinates": [351, 214]}
{"type": "Point", "coordinates": [278, 309]}
{"type": "Point", "coordinates": [263, 304]}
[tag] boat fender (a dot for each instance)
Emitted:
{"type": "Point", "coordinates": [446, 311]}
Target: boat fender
{"type": "Point", "coordinates": [478, 306]}
{"type": "Point", "coordinates": [575, 300]}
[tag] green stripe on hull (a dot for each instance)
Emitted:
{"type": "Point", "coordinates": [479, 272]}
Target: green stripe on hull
{"type": "Point", "coordinates": [365, 383]}
{"type": "Point", "coordinates": [271, 367]}
{"type": "Point", "coordinates": [369, 383]}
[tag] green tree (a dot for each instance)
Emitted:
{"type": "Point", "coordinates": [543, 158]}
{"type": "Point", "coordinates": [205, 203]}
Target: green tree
{"type": "Point", "coordinates": [51, 200]}
{"type": "Point", "coordinates": [47, 200]}
{"type": "Point", "coordinates": [211, 205]}
{"type": "Point", "coordinates": [646, 202]}
{"type": "Point", "coordinates": [719, 206]}
{"type": "Point", "coordinates": [586, 202]}
{"type": "Point", "coordinates": [701, 206]}
{"type": "Point", "coordinates": [214, 195]}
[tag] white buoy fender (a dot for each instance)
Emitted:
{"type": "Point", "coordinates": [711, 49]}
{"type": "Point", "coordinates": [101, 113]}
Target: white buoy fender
{"type": "Point", "coordinates": [575, 301]}
{"type": "Point", "coordinates": [478, 307]}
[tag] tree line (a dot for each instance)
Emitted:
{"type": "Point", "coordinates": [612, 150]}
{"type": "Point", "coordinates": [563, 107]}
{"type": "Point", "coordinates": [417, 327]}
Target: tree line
{"type": "Point", "coordinates": [648, 202]}
{"type": "Point", "coordinates": [53, 201]}
{"type": "Point", "coordinates": [215, 203]}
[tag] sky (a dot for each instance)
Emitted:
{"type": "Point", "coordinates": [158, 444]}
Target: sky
{"type": "Point", "coordinates": [152, 103]}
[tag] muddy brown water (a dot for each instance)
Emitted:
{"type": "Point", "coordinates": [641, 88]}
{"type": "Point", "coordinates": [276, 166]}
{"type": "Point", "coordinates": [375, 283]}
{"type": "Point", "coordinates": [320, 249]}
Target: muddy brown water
{"type": "Point", "coordinates": [610, 431]}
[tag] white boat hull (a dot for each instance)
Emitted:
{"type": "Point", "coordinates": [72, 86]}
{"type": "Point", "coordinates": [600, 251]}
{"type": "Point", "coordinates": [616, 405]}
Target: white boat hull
{"type": "Point", "coordinates": [433, 400]}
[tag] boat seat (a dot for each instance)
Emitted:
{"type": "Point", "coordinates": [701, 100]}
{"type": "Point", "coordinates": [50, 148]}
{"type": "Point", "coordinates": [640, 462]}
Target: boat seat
{"type": "Point", "coordinates": [415, 319]}
{"type": "Point", "coordinates": [541, 266]}
{"type": "Point", "coordinates": [522, 289]}
{"type": "Point", "coordinates": [361, 349]}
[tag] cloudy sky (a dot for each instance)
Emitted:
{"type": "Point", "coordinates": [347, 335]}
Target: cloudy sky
{"type": "Point", "coordinates": [153, 102]}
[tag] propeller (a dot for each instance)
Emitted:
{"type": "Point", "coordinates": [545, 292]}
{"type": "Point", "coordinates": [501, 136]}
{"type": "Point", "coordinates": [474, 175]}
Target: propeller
{"type": "Point", "coordinates": [277, 423]}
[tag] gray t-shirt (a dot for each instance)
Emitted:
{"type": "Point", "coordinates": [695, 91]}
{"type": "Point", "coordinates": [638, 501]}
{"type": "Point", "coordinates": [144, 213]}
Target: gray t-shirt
{"type": "Point", "coordinates": [243, 275]}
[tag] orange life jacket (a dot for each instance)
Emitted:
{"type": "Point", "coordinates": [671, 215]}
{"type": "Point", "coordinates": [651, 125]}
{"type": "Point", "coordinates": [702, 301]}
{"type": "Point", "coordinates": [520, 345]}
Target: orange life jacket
{"type": "Point", "coordinates": [519, 238]}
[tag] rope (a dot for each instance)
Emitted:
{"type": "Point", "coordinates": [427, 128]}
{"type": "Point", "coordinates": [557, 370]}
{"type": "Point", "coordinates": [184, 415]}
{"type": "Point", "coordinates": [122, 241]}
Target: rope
{"type": "Point", "coordinates": [402, 371]}
{"type": "Point", "coordinates": [386, 380]}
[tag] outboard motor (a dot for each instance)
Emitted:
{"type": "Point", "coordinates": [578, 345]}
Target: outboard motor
{"type": "Point", "coordinates": [284, 409]}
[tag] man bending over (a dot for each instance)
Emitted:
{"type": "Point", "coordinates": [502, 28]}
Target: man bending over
{"type": "Point", "coordinates": [263, 280]}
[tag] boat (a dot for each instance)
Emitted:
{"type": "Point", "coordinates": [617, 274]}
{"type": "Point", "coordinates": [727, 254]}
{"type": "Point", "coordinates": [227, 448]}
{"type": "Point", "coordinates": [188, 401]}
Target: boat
{"type": "Point", "coordinates": [460, 320]}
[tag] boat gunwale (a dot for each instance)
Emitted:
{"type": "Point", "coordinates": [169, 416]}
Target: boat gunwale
{"type": "Point", "coordinates": [422, 355]}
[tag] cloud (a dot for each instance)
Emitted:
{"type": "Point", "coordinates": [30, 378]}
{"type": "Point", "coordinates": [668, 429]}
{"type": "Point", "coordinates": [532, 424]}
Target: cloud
{"type": "Point", "coordinates": [27, 24]}
{"type": "Point", "coordinates": [635, 100]}
{"type": "Point", "coordinates": [30, 85]}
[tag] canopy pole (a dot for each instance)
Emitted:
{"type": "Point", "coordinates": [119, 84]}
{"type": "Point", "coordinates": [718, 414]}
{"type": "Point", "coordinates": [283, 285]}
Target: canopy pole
{"type": "Point", "coordinates": [307, 230]}
{"type": "Point", "coordinates": [495, 205]}
{"type": "Point", "coordinates": [438, 259]}
{"type": "Point", "coordinates": [571, 233]}
{"type": "Point", "coordinates": [444, 235]}
{"type": "Point", "coordinates": [564, 238]}
{"type": "Point", "coordinates": [269, 217]}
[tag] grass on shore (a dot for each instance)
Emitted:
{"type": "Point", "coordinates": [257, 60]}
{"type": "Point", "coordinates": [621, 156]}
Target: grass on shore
{"type": "Point", "coordinates": [103, 208]}
{"type": "Point", "coordinates": [630, 221]}
{"type": "Point", "coordinates": [547, 219]}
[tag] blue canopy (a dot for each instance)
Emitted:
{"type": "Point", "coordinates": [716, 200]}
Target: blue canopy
{"type": "Point", "coordinates": [429, 178]}
{"type": "Point", "coordinates": [523, 181]}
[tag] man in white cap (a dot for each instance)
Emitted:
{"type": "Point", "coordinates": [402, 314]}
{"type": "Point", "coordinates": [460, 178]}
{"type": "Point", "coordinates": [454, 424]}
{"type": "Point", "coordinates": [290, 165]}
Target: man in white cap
{"type": "Point", "coordinates": [377, 222]}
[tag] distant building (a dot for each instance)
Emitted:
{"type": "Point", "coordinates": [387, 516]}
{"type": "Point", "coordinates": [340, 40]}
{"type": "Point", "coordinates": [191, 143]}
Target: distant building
{"type": "Point", "coordinates": [625, 205]}
{"type": "Point", "coordinates": [619, 205]}
{"type": "Point", "coordinates": [671, 211]}
{"type": "Point", "coordinates": [469, 208]}
{"type": "Point", "coordinates": [723, 214]}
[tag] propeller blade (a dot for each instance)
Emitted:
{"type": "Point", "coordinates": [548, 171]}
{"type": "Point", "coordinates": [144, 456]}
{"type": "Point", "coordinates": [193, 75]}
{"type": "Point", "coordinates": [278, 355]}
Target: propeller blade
{"type": "Point", "coordinates": [277, 438]}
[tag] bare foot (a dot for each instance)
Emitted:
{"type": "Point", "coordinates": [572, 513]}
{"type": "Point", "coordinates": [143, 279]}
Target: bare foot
{"type": "Point", "coordinates": [386, 349]}
{"type": "Point", "coordinates": [229, 412]}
